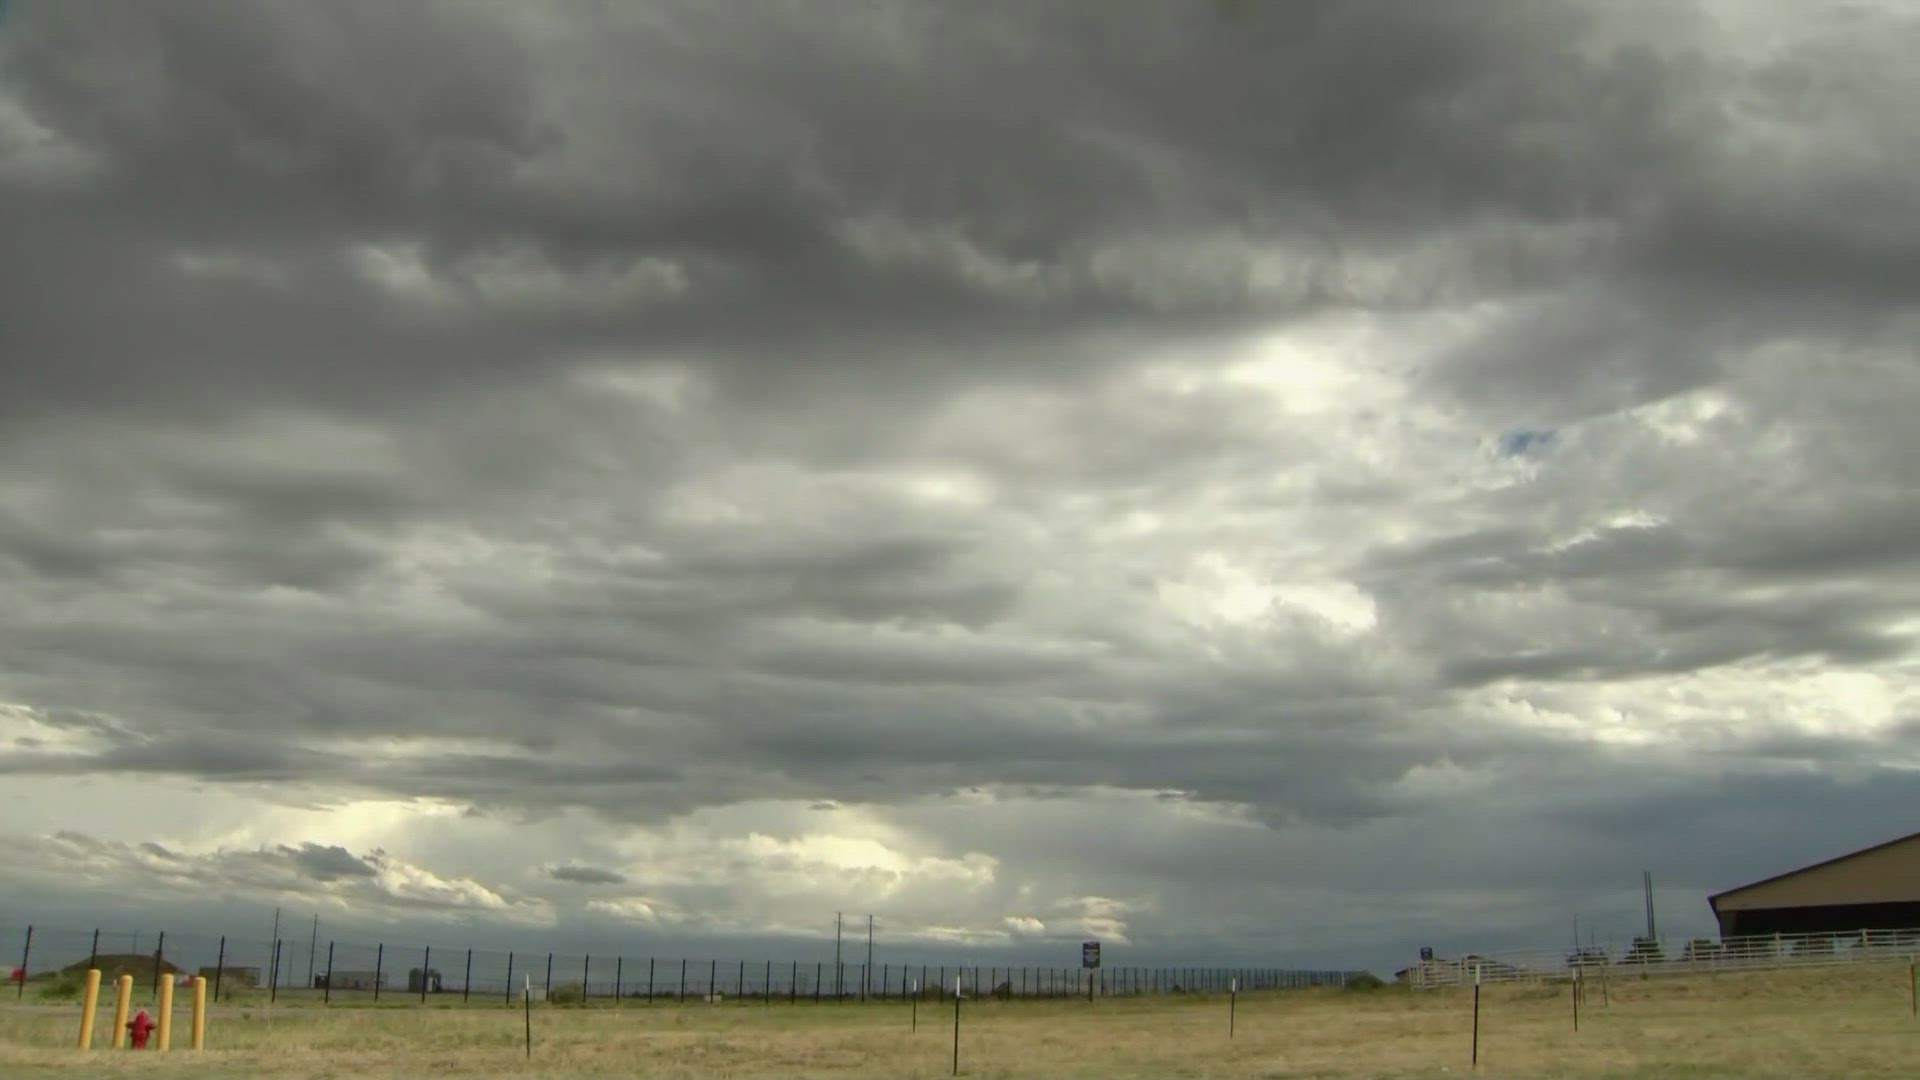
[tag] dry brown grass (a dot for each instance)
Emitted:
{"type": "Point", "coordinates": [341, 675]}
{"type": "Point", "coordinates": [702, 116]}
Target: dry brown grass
{"type": "Point", "coordinates": [1844, 1022]}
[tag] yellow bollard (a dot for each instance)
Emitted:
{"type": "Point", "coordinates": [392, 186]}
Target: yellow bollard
{"type": "Point", "coordinates": [199, 1012]}
{"type": "Point", "coordinates": [122, 998]}
{"type": "Point", "coordinates": [89, 1003]}
{"type": "Point", "coordinates": [165, 1019]}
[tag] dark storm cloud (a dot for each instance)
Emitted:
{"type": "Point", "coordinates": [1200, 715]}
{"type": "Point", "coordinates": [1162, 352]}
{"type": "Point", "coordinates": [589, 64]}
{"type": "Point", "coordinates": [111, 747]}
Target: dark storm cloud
{"type": "Point", "coordinates": [1056, 182]}
{"type": "Point", "coordinates": [667, 407]}
{"type": "Point", "coordinates": [586, 875]}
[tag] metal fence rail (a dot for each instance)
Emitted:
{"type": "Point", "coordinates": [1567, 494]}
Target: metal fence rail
{"type": "Point", "coordinates": [1655, 956]}
{"type": "Point", "coordinates": [336, 971]}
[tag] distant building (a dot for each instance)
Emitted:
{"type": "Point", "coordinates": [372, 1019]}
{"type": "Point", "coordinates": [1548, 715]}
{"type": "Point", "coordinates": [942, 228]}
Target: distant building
{"type": "Point", "coordinates": [352, 980]}
{"type": "Point", "coordinates": [1876, 888]}
{"type": "Point", "coordinates": [231, 976]}
{"type": "Point", "coordinates": [427, 981]}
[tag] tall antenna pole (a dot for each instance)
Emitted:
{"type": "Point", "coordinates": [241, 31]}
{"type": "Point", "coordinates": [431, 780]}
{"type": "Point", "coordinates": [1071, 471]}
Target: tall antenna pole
{"type": "Point", "coordinates": [1647, 879]}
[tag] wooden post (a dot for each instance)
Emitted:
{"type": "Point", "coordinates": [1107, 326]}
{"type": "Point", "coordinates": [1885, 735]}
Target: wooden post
{"type": "Point", "coordinates": [956, 1025]}
{"type": "Point", "coordinates": [1576, 999]}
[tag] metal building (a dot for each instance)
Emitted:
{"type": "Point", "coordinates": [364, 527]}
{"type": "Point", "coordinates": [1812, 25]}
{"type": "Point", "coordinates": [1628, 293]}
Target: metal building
{"type": "Point", "coordinates": [1876, 888]}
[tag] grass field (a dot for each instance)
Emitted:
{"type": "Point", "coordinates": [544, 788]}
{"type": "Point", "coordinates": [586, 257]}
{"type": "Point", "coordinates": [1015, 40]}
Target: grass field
{"type": "Point", "coordinates": [1840, 1022]}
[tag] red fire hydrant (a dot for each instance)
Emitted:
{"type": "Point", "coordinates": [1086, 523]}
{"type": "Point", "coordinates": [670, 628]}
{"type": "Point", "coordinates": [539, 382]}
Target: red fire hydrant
{"type": "Point", "coordinates": [140, 1026]}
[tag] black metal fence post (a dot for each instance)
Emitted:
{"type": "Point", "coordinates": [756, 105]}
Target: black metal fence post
{"type": "Point", "coordinates": [1476, 1017]}
{"type": "Point", "coordinates": [586, 971]}
{"type": "Point", "coordinates": [26, 955]}
{"type": "Point", "coordinates": [326, 993]}
{"type": "Point", "coordinates": [93, 953]}
{"type": "Point", "coordinates": [793, 983]}
{"type": "Point", "coordinates": [219, 965]}
{"type": "Point", "coordinates": [509, 976]}
{"type": "Point", "coordinates": [159, 957]}
{"type": "Point", "coordinates": [682, 995]}
{"type": "Point", "coordinates": [466, 981]}
{"type": "Point", "coordinates": [713, 972]}
{"type": "Point", "coordinates": [379, 966]}
{"type": "Point", "coordinates": [426, 965]}
{"type": "Point", "coordinates": [618, 964]}
{"type": "Point", "coordinates": [273, 991]}
{"type": "Point", "coordinates": [549, 987]}
{"type": "Point", "coordinates": [649, 980]}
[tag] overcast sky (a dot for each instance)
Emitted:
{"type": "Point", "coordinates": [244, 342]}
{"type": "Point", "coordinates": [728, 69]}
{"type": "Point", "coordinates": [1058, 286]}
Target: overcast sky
{"type": "Point", "coordinates": [1323, 477]}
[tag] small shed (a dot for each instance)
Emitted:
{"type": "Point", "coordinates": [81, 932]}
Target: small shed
{"type": "Point", "coordinates": [419, 981]}
{"type": "Point", "coordinates": [352, 980]}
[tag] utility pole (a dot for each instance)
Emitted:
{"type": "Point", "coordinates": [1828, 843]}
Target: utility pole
{"type": "Point", "coordinates": [866, 975]}
{"type": "Point", "coordinates": [274, 984]}
{"type": "Point", "coordinates": [836, 956]}
{"type": "Point", "coordinates": [313, 946]}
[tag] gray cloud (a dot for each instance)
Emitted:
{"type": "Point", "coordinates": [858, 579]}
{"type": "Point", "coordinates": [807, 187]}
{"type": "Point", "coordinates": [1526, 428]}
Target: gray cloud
{"type": "Point", "coordinates": [325, 863]}
{"type": "Point", "coordinates": [945, 421]}
{"type": "Point", "coordinates": [586, 875]}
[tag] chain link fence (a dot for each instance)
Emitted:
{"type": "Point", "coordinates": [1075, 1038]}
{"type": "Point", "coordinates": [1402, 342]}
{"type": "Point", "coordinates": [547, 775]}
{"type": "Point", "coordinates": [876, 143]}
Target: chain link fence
{"type": "Point", "coordinates": [49, 960]}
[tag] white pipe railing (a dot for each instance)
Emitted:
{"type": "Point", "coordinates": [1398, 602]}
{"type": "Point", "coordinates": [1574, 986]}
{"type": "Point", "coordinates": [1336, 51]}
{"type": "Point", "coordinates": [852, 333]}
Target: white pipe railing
{"type": "Point", "coordinates": [1669, 957]}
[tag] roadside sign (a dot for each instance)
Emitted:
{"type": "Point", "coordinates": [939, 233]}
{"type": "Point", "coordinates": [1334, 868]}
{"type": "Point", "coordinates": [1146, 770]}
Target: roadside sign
{"type": "Point", "coordinates": [1089, 954]}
